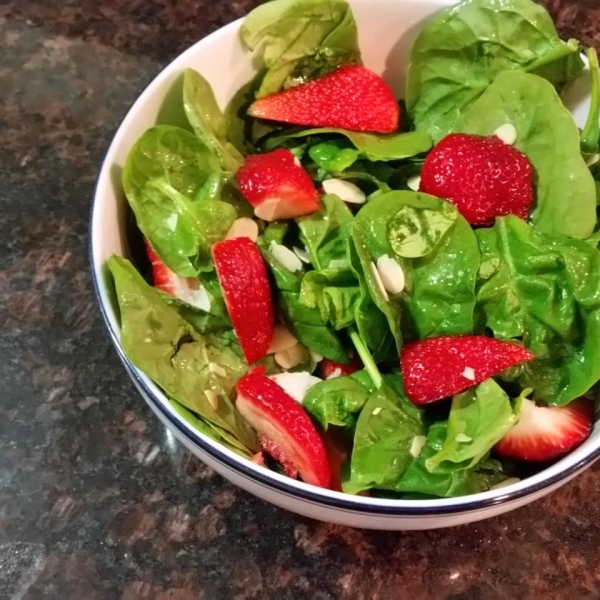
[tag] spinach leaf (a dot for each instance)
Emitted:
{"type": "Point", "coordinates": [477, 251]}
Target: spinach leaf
{"type": "Point", "coordinates": [336, 402]}
{"type": "Point", "coordinates": [208, 121]}
{"type": "Point", "coordinates": [334, 293]}
{"type": "Point", "coordinates": [442, 298]}
{"type": "Point", "coordinates": [440, 281]}
{"type": "Point", "coordinates": [300, 40]}
{"type": "Point", "coordinates": [212, 431]}
{"type": "Point", "coordinates": [333, 156]}
{"type": "Point", "coordinates": [479, 418]}
{"type": "Point", "coordinates": [548, 136]}
{"type": "Point", "coordinates": [325, 233]}
{"type": "Point", "coordinates": [371, 146]}
{"type": "Point", "coordinates": [170, 351]}
{"type": "Point", "coordinates": [173, 184]}
{"type": "Point", "coordinates": [304, 322]}
{"type": "Point", "coordinates": [382, 441]}
{"type": "Point", "coordinates": [461, 51]}
{"type": "Point", "coordinates": [371, 323]}
{"type": "Point", "coordinates": [545, 291]}
{"type": "Point", "coordinates": [417, 479]}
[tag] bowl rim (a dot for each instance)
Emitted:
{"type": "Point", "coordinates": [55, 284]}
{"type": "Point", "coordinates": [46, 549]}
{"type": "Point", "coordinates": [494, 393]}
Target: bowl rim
{"type": "Point", "coordinates": [269, 479]}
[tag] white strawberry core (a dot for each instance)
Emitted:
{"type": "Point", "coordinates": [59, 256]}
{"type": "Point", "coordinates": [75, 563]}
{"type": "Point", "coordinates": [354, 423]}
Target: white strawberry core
{"type": "Point", "coordinates": [507, 133]}
{"type": "Point", "coordinates": [296, 385]}
{"type": "Point", "coordinates": [345, 191]}
{"type": "Point", "coordinates": [286, 257]}
{"type": "Point", "coordinates": [390, 274]}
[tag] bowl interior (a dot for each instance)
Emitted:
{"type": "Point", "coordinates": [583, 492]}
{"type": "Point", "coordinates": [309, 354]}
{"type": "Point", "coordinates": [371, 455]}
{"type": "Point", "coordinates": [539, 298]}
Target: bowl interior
{"type": "Point", "coordinates": [387, 29]}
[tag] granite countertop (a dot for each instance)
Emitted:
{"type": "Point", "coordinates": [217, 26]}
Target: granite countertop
{"type": "Point", "coordinates": [97, 501]}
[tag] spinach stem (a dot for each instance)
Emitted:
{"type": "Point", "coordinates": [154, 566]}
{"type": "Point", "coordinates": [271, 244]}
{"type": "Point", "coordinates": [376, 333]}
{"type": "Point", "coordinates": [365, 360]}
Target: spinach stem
{"type": "Point", "coordinates": [590, 136]}
{"type": "Point", "coordinates": [366, 357]}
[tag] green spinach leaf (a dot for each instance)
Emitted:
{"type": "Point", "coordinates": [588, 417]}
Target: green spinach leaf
{"type": "Point", "coordinates": [548, 136]}
{"type": "Point", "coordinates": [300, 40]}
{"type": "Point", "coordinates": [336, 402]}
{"type": "Point", "coordinates": [479, 418]}
{"type": "Point", "coordinates": [208, 121]}
{"type": "Point", "coordinates": [461, 51]}
{"type": "Point", "coordinates": [173, 184]}
{"type": "Point", "coordinates": [417, 479]}
{"type": "Point", "coordinates": [172, 353]}
{"type": "Point", "coordinates": [371, 146]}
{"type": "Point", "coordinates": [382, 442]}
{"type": "Point", "coordinates": [545, 291]}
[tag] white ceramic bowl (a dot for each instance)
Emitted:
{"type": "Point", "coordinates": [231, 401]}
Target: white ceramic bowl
{"type": "Point", "coordinates": [387, 29]}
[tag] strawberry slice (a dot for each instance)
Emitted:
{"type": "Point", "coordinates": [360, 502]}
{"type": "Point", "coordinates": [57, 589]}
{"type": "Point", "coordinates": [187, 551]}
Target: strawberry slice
{"type": "Point", "coordinates": [547, 432]}
{"type": "Point", "coordinates": [245, 284]}
{"type": "Point", "coordinates": [187, 289]}
{"type": "Point", "coordinates": [439, 367]}
{"type": "Point", "coordinates": [277, 186]}
{"type": "Point", "coordinates": [484, 177]}
{"type": "Point", "coordinates": [290, 436]}
{"type": "Point", "coordinates": [329, 369]}
{"type": "Point", "coordinates": [350, 97]}
{"type": "Point", "coordinates": [271, 448]}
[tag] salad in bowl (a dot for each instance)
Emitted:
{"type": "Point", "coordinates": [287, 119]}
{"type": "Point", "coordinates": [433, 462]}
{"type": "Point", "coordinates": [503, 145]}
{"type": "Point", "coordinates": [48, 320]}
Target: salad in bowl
{"type": "Point", "coordinates": [383, 296]}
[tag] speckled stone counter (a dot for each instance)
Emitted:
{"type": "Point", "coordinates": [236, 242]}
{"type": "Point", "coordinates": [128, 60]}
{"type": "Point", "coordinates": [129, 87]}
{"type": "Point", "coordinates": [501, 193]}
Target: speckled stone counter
{"type": "Point", "coordinates": [97, 501]}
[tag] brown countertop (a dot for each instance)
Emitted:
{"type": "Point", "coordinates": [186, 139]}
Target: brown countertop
{"type": "Point", "coordinates": [96, 499]}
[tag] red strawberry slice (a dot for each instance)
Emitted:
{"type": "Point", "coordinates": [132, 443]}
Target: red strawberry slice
{"type": "Point", "coordinates": [277, 186]}
{"type": "Point", "coordinates": [547, 432]}
{"type": "Point", "coordinates": [293, 439]}
{"type": "Point", "coordinates": [350, 97]}
{"type": "Point", "coordinates": [484, 177]}
{"type": "Point", "coordinates": [329, 369]}
{"type": "Point", "coordinates": [187, 289]}
{"type": "Point", "coordinates": [243, 278]}
{"type": "Point", "coordinates": [271, 448]}
{"type": "Point", "coordinates": [439, 367]}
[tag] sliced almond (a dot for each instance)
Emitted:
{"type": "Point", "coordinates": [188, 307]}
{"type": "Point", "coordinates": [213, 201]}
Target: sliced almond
{"type": "Point", "coordinates": [243, 227]}
{"type": "Point", "coordinates": [345, 191]}
{"type": "Point", "coordinates": [292, 357]}
{"type": "Point", "coordinates": [282, 340]}
{"type": "Point", "coordinates": [507, 133]}
{"type": "Point", "coordinates": [469, 373]}
{"type": "Point", "coordinates": [461, 437]}
{"type": "Point", "coordinates": [414, 183]}
{"type": "Point", "coordinates": [391, 274]}
{"type": "Point", "coordinates": [377, 277]}
{"type": "Point", "coordinates": [217, 369]}
{"type": "Point", "coordinates": [335, 373]}
{"type": "Point", "coordinates": [417, 445]}
{"type": "Point", "coordinates": [268, 210]}
{"type": "Point", "coordinates": [286, 257]}
{"type": "Point", "coordinates": [315, 356]}
{"type": "Point", "coordinates": [302, 254]}
{"type": "Point", "coordinates": [212, 398]}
